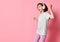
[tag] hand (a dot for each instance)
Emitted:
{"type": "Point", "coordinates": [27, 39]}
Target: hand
{"type": "Point", "coordinates": [34, 18]}
{"type": "Point", "coordinates": [50, 6]}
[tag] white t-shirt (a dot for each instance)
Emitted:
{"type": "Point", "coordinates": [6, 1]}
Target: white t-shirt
{"type": "Point", "coordinates": [42, 23]}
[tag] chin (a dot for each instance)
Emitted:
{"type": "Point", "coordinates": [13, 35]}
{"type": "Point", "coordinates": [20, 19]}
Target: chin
{"type": "Point", "coordinates": [40, 10]}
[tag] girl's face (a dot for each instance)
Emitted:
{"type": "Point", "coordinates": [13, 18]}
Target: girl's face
{"type": "Point", "coordinates": [39, 7]}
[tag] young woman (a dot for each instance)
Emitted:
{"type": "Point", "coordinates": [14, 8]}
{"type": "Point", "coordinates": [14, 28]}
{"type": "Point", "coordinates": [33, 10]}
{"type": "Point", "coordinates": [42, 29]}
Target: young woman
{"type": "Point", "coordinates": [42, 20]}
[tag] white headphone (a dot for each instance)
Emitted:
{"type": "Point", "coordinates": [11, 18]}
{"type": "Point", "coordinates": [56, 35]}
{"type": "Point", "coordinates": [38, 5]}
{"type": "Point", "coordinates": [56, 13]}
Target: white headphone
{"type": "Point", "coordinates": [43, 6]}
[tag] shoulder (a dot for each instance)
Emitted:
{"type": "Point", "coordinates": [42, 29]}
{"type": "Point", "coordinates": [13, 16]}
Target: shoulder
{"type": "Point", "coordinates": [48, 14]}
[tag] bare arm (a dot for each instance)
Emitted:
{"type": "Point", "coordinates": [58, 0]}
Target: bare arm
{"type": "Point", "coordinates": [51, 13]}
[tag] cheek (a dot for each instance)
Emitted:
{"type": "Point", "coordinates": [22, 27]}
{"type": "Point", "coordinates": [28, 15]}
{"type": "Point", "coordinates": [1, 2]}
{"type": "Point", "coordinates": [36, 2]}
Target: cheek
{"type": "Point", "coordinates": [40, 9]}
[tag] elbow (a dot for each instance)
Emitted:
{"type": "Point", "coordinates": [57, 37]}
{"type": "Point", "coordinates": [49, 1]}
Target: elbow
{"type": "Point", "coordinates": [51, 17]}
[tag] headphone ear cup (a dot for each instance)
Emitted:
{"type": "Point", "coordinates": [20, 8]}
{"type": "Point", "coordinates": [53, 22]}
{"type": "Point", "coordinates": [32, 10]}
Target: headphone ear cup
{"type": "Point", "coordinates": [43, 6]}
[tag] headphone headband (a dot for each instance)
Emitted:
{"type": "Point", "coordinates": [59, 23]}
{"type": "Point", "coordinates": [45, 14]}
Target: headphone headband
{"type": "Point", "coordinates": [43, 6]}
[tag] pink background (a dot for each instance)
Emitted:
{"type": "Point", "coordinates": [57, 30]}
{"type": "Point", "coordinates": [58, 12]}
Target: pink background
{"type": "Point", "coordinates": [17, 24]}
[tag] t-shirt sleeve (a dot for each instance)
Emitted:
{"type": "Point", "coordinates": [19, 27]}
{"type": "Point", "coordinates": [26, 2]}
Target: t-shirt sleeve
{"type": "Point", "coordinates": [48, 15]}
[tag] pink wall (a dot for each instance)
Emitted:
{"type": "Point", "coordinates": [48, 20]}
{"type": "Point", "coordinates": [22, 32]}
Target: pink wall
{"type": "Point", "coordinates": [17, 24]}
